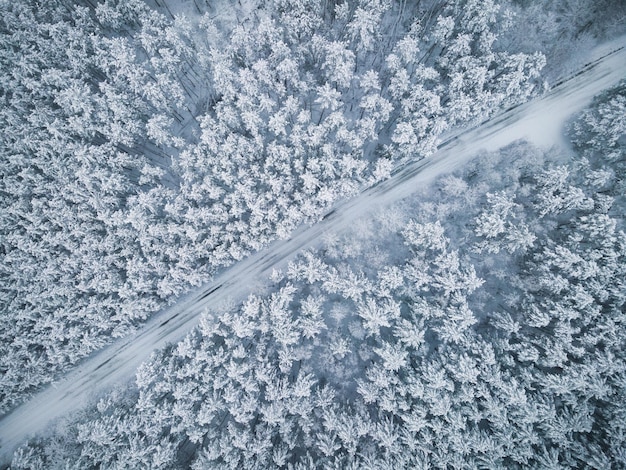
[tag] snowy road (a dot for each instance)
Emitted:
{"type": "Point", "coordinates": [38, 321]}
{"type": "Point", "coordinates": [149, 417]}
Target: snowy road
{"type": "Point", "coordinates": [540, 121]}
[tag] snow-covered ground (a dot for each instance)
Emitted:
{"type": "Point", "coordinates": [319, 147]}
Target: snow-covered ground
{"type": "Point", "coordinates": [540, 121]}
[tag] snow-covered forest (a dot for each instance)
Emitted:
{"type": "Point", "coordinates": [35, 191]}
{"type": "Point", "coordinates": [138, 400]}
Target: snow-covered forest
{"type": "Point", "coordinates": [143, 153]}
{"type": "Point", "coordinates": [479, 324]}
{"type": "Point", "coordinates": [147, 146]}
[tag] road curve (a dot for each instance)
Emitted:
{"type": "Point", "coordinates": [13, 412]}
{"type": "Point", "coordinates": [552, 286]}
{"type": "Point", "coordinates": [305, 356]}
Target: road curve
{"type": "Point", "coordinates": [540, 121]}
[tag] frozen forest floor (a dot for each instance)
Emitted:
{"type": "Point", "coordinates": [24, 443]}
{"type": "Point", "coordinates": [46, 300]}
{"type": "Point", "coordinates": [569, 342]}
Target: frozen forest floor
{"type": "Point", "coordinates": [540, 121]}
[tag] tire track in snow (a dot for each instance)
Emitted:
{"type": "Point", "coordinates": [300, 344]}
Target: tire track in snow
{"type": "Point", "coordinates": [540, 121]}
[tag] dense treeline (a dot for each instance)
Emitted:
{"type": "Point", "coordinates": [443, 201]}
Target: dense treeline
{"type": "Point", "coordinates": [480, 324]}
{"type": "Point", "coordinates": [78, 162]}
{"type": "Point", "coordinates": [142, 152]}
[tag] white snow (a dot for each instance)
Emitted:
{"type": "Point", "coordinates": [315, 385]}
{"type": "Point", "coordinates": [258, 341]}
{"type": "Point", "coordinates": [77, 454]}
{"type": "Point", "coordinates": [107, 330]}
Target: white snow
{"type": "Point", "coordinates": [540, 121]}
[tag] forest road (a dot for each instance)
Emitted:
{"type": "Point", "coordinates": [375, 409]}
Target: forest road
{"type": "Point", "coordinates": [540, 121]}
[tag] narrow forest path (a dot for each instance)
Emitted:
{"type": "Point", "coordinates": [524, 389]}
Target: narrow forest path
{"type": "Point", "coordinates": [540, 121]}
